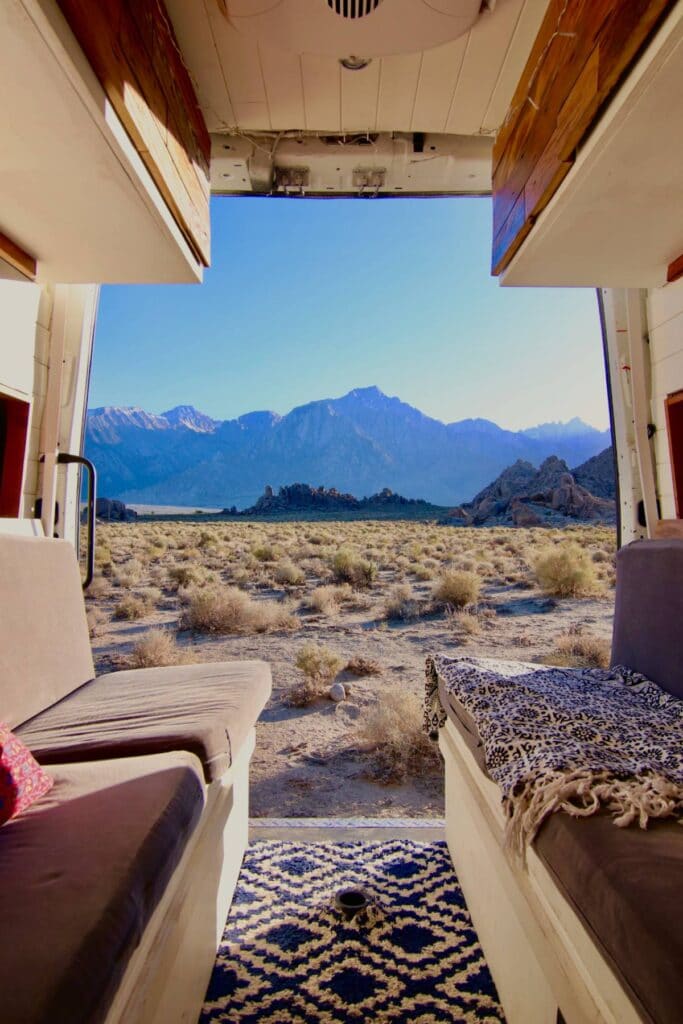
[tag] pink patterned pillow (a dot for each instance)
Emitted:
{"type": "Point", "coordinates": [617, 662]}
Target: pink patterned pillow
{"type": "Point", "coordinates": [22, 780]}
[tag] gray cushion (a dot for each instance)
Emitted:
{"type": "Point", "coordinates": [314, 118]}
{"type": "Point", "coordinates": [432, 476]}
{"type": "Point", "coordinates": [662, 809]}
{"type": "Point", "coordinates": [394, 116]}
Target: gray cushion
{"type": "Point", "coordinates": [206, 709]}
{"type": "Point", "coordinates": [44, 643]}
{"type": "Point", "coordinates": [648, 612]}
{"type": "Point", "coordinates": [80, 875]}
{"type": "Point", "coordinates": [624, 883]}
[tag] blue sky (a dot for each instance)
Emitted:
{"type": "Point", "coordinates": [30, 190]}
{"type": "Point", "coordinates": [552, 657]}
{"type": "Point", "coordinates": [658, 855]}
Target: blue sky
{"type": "Point", "coordinates": [308, 299]}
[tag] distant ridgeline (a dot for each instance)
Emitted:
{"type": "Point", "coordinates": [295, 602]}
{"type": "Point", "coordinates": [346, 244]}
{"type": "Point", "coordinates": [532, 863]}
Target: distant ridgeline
{"type": "Point", "coordinates": [360, 443]}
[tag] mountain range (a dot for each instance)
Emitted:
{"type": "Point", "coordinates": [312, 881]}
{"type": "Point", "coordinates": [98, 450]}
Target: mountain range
{"type": "Point", "coordinates": [361, 442]}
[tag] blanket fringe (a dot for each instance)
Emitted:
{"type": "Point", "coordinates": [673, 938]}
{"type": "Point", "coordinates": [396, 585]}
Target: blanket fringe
{"type": "Point", "coordinates": [582, 793]}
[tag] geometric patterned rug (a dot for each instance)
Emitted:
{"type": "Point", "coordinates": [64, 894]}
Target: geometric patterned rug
{"type": "Point", "coordinates": [288, 956]}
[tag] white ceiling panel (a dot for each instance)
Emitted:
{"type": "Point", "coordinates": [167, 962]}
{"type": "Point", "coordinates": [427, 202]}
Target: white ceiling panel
{"type": "Point", "coordinates": [526, 30]}
{"type": "Point", "coordinates": [463, 87]}
{"type": "Point", "coordinates": [284, 87]}
{"type": "Point", "coordinates": [398, 77]}
{"type": "Point", "coordinates": [359, 91]}
{"type": "Point", "coordinates": [199, 52]}
{"type": "Point", "coordinates": [322, 93]}
{"type": "Point", "coordinates": [439, 73]}
{"type": "Point", "coordinates": [486, 52]}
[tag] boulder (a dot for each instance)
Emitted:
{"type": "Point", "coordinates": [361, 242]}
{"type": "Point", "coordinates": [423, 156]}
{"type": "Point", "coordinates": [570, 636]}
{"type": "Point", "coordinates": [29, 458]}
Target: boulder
{"type": "Point", "coordinates": [522, 515]}
{"type": "Point", "coordinates": [337, 692]}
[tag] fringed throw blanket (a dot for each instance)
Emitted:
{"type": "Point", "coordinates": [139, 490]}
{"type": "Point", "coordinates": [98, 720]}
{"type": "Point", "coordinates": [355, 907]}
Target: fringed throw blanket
{"type": "Point", "coordinates": [574, 740]}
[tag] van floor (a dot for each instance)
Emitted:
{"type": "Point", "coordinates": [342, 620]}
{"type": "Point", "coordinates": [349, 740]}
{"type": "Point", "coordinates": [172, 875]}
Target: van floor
{"type": "Point", "coordinates": [292, 953]}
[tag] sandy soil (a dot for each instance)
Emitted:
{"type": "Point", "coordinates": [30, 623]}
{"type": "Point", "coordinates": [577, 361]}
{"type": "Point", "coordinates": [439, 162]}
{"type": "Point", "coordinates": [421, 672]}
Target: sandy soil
{"type": "Point", "coordinates": [308, 761]}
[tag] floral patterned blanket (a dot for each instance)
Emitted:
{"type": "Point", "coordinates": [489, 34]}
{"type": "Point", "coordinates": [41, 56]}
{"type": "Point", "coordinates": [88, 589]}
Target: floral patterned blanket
{"type": "Point", "coordinates": [562, 739]}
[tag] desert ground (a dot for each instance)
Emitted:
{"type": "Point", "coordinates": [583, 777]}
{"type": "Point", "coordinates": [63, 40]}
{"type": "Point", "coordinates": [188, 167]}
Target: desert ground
{"type": "Point", "coordinates": [353, 603]}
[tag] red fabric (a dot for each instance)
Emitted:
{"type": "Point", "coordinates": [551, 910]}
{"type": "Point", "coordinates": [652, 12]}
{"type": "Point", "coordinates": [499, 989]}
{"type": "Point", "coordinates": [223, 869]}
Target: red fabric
{"type": "Point", "coordinates": [22, 780]}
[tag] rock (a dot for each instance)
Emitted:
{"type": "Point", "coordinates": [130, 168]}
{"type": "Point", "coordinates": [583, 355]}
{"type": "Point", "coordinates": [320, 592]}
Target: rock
{"type": "Point", "coordinates": [522, 515]}
{"type": "Point", "coordinates": [337, 692]}
{"type": "Point", "coordinates": [597, 475]}
{"type": "Point", "coordinates": [114, 511]}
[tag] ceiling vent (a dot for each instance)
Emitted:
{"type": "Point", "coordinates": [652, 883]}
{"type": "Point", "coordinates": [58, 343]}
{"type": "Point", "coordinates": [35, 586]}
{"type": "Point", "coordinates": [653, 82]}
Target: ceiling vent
{"type": "Point", "coordinates": [337, 28]}
{"type": "Point", "coordinates": [353, 8]}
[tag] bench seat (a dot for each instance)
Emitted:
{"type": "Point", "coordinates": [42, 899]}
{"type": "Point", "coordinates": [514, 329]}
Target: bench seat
{"type": "Point", "coordinates": [208, 710]}
{"type": "Point", "coordinates": [82, 873]}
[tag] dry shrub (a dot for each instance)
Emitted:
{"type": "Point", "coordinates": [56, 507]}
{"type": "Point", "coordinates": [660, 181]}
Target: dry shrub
{"type": "Point", "coordinates": [400, 604]}
{"type": "Point", "coordinates": [98, 588]}
{"type": "Point", "coordinates": [131, 607]}
{"type": "Point", "coordinates": [231, 610]}
{"type": "Point", "coordinates": [578, 651]}
{"type": "Point", "coordinates": [566, 571]}
{"type": "Point", "coordinates": [288, 574]}
{"type": "Point", "coordinates": [326, 600]}
{"type": "Point", "coordinates": [361, 666]}
{"type": "Point", "coordinates": [464, 622]}
{"type": "Point", "coordinates": [398, 747]}
{"type": "Point", "coordinates": [350, 568]}
{"type": "Point", "coordinates": [158, 648]}
{"type": "Point", "coordinates": [95, 619]}
{"type": "Point", "coordinates": [457, 588]}
{"type": "Point", "coordinates": [319, 665]}
{"type": "Point", "coordinates": [265, 553]}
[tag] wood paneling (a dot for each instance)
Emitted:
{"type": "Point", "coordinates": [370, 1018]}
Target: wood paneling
{"type": "Point", "coordinates": [580, 54]}
{"type": "Point", "coordinates": [132, 49]}
{"type": "Point", "coordinates": [675, 270]}
{"type": "Point", "coordinates": [11, 253]}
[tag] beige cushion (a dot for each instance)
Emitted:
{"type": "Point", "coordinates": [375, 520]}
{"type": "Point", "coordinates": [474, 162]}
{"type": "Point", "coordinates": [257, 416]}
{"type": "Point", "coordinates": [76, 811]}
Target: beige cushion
{"type": "Point", "coordinates": [206, 709]}
{"type": "Point", "coordinates": [44, 643]}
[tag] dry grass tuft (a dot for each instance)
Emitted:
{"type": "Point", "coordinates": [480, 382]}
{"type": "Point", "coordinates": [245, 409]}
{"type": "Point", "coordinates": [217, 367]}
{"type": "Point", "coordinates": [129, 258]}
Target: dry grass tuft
{"type": "Point", "coordinates": [319, 665]}
{"type": "Point", "coordinates": [327, 600]}
{"type": "Point", "coordinates": [577, 651]}
{"type": "Point", "coordinates": [288, 574]}
{"type": "Point", "coordinates": [566, 571]}
{"type": "Point", "coordinates": [231, 610]}
{"type": "Point", "coordinates": [350, 568]}
{"type": "Point", "coordinates": [361, 666]}
{"type": "Point", "coordinates": [159, 648]}
{"type": "Point", "coordinates": [464, 623]}
{"type": "Point", "coordinates": [393, 737]}
{"type": "Point", "coordinates": [457, 588]}
{"type": "Point", "coordinates": [400, 604]}
{"type": "Point", "coordinates": [131, 607]}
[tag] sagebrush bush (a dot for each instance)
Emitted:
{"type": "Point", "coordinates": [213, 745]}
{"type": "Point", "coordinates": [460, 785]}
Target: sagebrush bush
{"type": "Point", "coordinates": [362, 666]}
{"type": "Point", "coordinates": [566, 571]}
{"type": "Point", "coordinates": [400, 604]}
{"type": "Point", "coordinates": [326, 600]}
{"type": "Point", "coordinates": [350, 568]}
{"type": "Point", "coordinates": [464, 622]}
{"type": "Point", "coordinates": [265, 553]}
{"type": "Point", "coordinates": [158, 648]}
{"type": "Point", "coordinates": [131, 607]}
{"type": "Point", "coordinates": [231, 610]}
{"type": "Point", "coordinates": [457, 588]}
{"type": "Point", "coordinates": [319, 665]}
{"type": "Point", "coordinates": [288, 574]}
{"type": "Point", "coordinates": [579, 651]}
{"type": "Point", "coordinates": [395, 741]}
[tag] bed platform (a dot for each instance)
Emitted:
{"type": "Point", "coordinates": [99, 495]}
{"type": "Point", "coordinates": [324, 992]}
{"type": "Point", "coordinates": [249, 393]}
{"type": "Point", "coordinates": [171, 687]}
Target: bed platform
{"type": "Point", "coordinates": [594, 915]}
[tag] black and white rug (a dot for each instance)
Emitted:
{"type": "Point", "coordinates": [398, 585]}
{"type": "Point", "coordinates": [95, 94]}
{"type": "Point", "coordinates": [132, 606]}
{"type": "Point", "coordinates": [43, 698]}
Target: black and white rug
{"type": "Point", "coordinates": [288, 956]}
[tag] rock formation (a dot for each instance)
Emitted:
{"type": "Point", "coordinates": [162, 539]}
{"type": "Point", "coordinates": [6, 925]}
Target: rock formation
{"type": "Point", "coordinates": [549, 496]}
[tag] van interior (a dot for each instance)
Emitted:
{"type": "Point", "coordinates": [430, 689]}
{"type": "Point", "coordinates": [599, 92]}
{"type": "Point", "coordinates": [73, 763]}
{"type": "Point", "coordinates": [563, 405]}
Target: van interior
{"type": "Point", "coordinates": [118, 123]}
